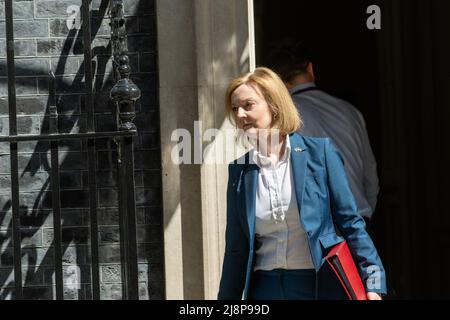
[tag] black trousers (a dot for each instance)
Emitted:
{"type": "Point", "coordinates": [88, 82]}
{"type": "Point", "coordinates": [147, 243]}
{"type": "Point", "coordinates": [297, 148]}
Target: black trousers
{"type": "Point", "coordinates": [282, 284]}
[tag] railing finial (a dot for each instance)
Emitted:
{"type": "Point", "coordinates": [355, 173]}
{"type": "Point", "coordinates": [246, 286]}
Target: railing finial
{"type": "Point", "coordinates": [125, 92]}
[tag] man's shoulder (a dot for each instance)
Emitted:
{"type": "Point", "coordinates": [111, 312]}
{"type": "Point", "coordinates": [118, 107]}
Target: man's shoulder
{"type": "Point", "coordinates": [317, 97]}
{"type": "Point", "coordinates": [346, 105]}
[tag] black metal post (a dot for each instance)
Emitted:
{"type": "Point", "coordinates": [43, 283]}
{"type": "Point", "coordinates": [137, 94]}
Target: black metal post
{"type": "Point", "coordinates": [127, 209]}
{"type": "Point", "coordinates": [56, 202]}
{"type": "Point", "coordinates": [17, 255]}
{"type": "Point", "coordinates": [124, 94]}
{"type": "Point", "coordinates": [89, 103]}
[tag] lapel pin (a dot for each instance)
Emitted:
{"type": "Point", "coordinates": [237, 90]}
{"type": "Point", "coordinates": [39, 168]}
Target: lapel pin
{"type": "Point", "coordinates": [298, 149]}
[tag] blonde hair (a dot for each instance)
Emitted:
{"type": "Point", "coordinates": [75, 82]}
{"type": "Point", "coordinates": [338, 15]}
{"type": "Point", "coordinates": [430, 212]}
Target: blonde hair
{"type": "Point", "coordinates": [285, 115]}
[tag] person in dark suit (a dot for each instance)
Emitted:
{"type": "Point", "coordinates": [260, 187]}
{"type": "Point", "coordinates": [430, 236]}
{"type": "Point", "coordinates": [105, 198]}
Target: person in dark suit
{"type": "Point", "coordinates": [284, 199]}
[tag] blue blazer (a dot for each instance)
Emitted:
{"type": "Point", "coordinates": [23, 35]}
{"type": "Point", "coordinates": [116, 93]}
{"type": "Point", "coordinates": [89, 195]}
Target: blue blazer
{"type": "Point", "coordinates": [324, 199]}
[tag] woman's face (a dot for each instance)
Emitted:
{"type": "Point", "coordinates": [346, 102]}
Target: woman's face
{"type": "Point", "coordinates": [251, 111]}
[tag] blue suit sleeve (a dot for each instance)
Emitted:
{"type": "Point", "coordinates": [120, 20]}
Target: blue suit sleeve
{"type": "Point", "coordinates": [232, 281]}
{"type": "Point", "coordinates": [351, 224]}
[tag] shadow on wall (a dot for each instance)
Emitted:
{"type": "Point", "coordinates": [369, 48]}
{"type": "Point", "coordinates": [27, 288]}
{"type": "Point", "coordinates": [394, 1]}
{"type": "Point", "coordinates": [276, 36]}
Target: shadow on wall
{"type": "Point", "coordinates": [66, 61]}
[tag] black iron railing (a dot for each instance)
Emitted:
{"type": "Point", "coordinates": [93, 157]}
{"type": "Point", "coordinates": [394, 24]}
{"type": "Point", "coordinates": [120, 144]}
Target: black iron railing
{"type": "Point", "coordinates": [124, 94]}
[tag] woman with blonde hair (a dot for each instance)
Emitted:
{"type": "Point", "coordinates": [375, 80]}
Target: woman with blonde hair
{"type": "Point", "coordinates": [284, 199]}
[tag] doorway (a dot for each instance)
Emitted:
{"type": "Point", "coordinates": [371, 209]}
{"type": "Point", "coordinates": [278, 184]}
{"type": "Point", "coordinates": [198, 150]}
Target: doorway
{"type": "Point", "coordinates": [397, 78]}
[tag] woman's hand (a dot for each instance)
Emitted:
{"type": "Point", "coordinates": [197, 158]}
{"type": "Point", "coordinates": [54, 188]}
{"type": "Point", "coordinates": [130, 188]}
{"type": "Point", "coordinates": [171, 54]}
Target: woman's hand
{"type": "Point", "coordinates": [373, 296]}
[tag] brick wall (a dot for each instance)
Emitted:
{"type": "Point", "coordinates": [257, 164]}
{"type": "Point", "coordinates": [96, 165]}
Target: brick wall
{"type": "Point", "coordinates": [44, 42]}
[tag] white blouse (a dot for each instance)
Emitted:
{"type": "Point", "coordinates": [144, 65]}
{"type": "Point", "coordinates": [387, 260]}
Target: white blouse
{"type": "Point", "coordinates": [281, 241]}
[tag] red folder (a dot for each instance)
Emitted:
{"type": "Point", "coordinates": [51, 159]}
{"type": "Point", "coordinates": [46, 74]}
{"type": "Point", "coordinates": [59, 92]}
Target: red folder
{"type": "Point", "coordinates": [341, 262]}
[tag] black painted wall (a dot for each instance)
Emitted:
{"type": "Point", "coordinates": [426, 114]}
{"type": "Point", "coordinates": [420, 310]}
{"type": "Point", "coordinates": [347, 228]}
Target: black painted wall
{"type": "Point", "coordinates": [48, 37]}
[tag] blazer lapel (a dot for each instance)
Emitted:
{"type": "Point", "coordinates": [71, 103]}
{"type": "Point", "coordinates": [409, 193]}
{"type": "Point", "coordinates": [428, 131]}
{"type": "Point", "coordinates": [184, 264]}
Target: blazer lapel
{"type": "Point", "coordinates": [298, 164]}
{"type": "Point", "coordinates": [250, 183]}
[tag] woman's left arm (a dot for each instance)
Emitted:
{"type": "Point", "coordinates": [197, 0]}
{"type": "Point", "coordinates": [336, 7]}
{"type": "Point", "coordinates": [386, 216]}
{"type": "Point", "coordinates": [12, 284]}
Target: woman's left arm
{"type": "Point", "coordinates": [352, 225]}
